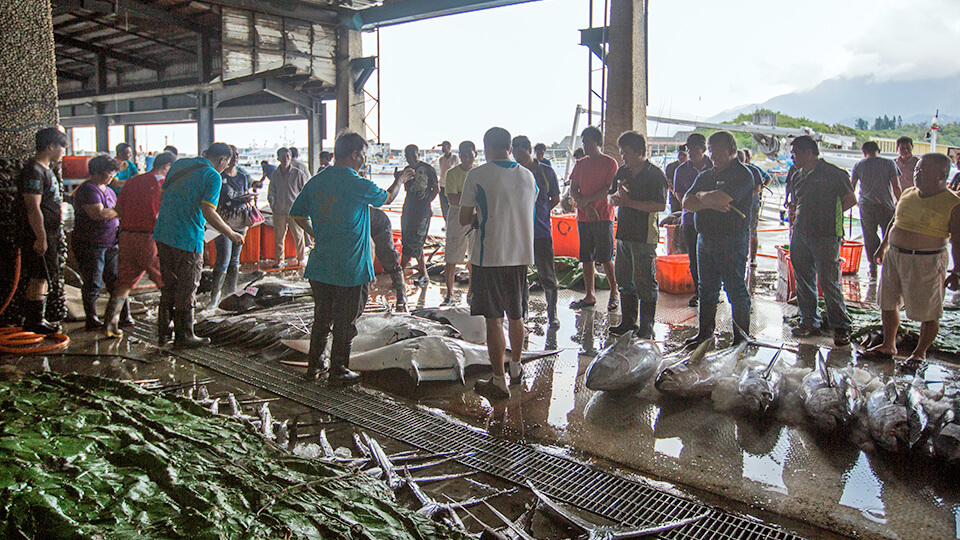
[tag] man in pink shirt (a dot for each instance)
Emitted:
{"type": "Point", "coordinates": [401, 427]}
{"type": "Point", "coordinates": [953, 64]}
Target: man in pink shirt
{"type": "Point", "coordinates": [590, 183]}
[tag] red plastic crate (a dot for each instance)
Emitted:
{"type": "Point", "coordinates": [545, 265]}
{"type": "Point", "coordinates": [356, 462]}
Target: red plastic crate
{"type": "Point", "coordinates": [786, 282]}
{"type": "Point", "coordinates": [268, 248]}
{"type": "Point", "coordinates": [673, 274]}
{"type": "Point", "coordinates": [377, 269]}
{"type": "Point", "coordinates": [249, 253]}
{"type": "Point", "coordinates": [850, 253]}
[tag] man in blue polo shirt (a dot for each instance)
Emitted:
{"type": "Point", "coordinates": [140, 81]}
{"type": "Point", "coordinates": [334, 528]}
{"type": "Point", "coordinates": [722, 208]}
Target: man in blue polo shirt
{"type": "Point", "coordinates": [721, 199]}
{"type": "Point", "coordinates": [334, 209]}
{"type": "Point", "coordinates": [191, 192]}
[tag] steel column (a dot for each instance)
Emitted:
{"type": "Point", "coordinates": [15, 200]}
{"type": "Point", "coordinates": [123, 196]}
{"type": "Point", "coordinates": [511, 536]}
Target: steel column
{"type": "Point", "coordinates": [316, 132]}
{"type": "Point", "coordinates": [101, 124]}
{"type": "Point", "coordinates": [205, 129]}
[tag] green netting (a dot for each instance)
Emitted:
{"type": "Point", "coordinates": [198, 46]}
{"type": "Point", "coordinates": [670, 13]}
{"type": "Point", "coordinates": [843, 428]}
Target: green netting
{"type": "Point", "coordinates": [84, 457]}
{"type": "Point", "coordinates": [570, 274]}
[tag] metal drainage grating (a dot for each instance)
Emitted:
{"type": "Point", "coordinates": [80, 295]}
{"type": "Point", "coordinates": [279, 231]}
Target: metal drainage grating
{"type": "Point", "coordinates": [596, 491]}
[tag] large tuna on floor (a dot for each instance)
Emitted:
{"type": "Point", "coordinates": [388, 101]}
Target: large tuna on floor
{"type": "Point", "coordinates": [759, 388]}
{"type": "Point", "coordinates": [627, 365]}
{"type": "Point", "coordinates": [377, 330]}
{"type": "Point", "coordinates": [697, 375]}
{"type": "Point", "coordinates": [895, 416]}
{"type": "Point", "coordinates": [829, 396]}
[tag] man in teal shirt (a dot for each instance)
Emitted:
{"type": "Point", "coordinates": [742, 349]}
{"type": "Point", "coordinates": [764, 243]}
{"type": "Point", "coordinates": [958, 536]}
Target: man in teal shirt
{"type": "Point", "coordinates": [191, 192]}
{"type": "Point", "coordinates": [333, 208]}
{"type": "Point", "coordinates": [128, 169]}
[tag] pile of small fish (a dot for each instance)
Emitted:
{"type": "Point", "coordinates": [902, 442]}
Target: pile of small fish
{"type": "Point", "coordinates": [899, 414]}
{"type": "Point", "coordinates": [395, 470]}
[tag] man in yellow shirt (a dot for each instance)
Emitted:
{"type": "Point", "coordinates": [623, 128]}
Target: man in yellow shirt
{"type": "Point", "coordinates": [459, 237]}
{"type": "Point", "coordinates": [914, 271]}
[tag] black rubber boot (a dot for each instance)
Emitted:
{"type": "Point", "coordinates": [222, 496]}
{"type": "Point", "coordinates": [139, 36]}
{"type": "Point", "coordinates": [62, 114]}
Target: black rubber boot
{"type": "Point", "coordinates": [230, 282]}
{"type": "Point", "coordinates": [164, 317]}
{"type": "Point", "coordinates": [708, 322]}
{"type": "Point", "coordinates": [648, 312]}
{"type": "Point", "coordinates": [341, 374]}
{"type": "Point", "coordinates": [125, 319]}
{"type": "Point", "coordinates": [112, 317]}
{"type": "Point", "coordinates": [400, 289]}
{"type": "Point", "coordinates": [551, 297]}
{"type": "Point", "coordinates": [629, 307]}
{"type": "Point", "coordinates": [215, 290]}
{"type": "Point", "coordinates": [185, 339]}
{"type": "Point", "coordinates": [33, 311]}
{"type": "Point", "coordinates": [90, 311]}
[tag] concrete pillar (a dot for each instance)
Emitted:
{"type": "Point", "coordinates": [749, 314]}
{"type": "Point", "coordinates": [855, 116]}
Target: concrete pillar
{"type": "Point", "coordinates": [130, 137]}
{"type": "Point", "coordinates": [28, 96]}
{"type": "Point", "coordinates": [101, 124]}
{"type": "Point", "coordinates": [316, 132]}
{"type": "Point", "coordinates": [350, 103]}
{"type": "Point", "coordinates": [627, 72]}
{"type": "Point", "coordinates": [205, 132]}
{"type": "Point", "coordinates": [28, 87]}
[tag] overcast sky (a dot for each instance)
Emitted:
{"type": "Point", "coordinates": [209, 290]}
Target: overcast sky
{"type": "Point", "coordinates": [522, 67]}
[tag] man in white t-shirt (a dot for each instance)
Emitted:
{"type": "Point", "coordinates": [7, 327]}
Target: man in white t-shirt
{"type": "Point", "coordinates": [499, 200]}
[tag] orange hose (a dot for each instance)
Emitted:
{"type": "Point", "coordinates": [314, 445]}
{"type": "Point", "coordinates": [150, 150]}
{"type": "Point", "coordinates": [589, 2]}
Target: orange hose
{"type": "Point", "coordinates": [16, 281]}
{"type": "Point", "coordinates": [13, 341]}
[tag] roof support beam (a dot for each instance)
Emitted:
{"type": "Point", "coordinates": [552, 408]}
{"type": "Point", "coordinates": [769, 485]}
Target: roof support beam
{"type": "Point", "coordinates": [71, 76]}
{"type": "Point", "coordinates": [404, 11]}
{"type": "Point", "coordinates": [282, 8]}
{"type": "Point", "coordinates": [110, 53]}
{"type": "Point", "coordinates": [136, 8]}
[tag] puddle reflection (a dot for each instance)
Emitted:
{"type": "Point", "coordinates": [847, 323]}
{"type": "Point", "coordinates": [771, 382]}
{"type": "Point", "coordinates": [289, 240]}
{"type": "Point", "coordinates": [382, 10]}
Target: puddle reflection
{"type": "Point", "coordinates": [862, 491]}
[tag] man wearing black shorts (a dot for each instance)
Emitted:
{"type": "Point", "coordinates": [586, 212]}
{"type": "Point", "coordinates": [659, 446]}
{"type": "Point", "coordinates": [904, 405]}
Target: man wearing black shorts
{"type": "Point", "coordinates": [38, 212]}
{"type": "Point", "coordinates": [498, 199]}
{"type": "Point", "coordinates": [590, 181]}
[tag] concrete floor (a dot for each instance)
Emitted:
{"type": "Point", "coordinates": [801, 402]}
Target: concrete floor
{"type": "Point", "coordinates": [778, 469]}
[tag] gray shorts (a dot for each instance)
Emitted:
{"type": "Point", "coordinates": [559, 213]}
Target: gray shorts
{"type": "Point", "coordinates": [498, 290]}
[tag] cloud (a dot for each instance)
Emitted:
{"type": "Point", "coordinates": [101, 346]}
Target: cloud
{"type": "Point", "coordinates": [906, 41]}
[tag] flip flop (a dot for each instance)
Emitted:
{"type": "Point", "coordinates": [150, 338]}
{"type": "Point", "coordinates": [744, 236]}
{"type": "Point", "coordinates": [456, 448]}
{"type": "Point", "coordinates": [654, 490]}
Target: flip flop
{"type": "Point", "coordinates": [909, 365]}
{"type": "Point", "coordinates": [580, 304]}
{"type": "Point", "coordinates": [613, 304]}
{"type": "Point", "coordinates": [873, 355]}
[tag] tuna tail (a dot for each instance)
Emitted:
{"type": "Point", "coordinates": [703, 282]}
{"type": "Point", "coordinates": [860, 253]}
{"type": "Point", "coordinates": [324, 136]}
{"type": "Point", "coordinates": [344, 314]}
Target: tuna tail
{"type": "Point", "coordinates": [773, 361]}
{"type": "Point", "coordinates": [822, 368]}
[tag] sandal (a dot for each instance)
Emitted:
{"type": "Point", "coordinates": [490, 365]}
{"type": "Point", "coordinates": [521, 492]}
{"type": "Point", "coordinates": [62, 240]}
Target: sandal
{"type": "Point", "coordinates": [909, 365]}
{"type": "Point", "coordinates": [871, 354]}
{"type": "Point", "coordinates": [613, 304]}
{"type": "Point", "coordinates": [580, 304]}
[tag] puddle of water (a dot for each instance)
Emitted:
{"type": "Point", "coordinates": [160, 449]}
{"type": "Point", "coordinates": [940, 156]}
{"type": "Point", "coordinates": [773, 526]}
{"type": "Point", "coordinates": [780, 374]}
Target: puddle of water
{"type": "Point", "coordinates": [669, 447]}
{"type": "Point", "coordinates": [766, 468]}
{"type": "Point", "coordinates": [862, 490]}
{"type": "Point", "coordinates": [562, 397]}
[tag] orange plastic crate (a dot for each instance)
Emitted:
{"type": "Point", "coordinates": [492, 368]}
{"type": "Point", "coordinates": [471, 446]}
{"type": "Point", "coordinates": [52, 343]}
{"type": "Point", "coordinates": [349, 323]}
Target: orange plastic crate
{"type": "Point", "coordinates": [673, 274]}
{"type": "Point", "coordinates": [566, 238]}
{"type": "Point", "coordinates": [267, 247]}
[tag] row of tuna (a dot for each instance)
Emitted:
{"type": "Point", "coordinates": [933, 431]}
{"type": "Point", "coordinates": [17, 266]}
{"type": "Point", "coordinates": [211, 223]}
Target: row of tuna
{"type": "Point", "coordinates": [899, 415]}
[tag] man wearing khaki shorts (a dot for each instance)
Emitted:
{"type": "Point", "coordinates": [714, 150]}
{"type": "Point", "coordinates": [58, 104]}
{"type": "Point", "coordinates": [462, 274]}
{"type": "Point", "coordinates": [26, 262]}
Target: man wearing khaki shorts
{"type": "Point", "coordinates": [459, 237]}
{"type": "Point", "coordinates": [914, 268]}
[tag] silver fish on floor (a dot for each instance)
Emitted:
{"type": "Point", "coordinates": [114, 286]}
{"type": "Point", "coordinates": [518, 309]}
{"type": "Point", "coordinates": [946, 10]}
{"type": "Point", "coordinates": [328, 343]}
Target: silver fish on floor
{"type": "Point", "coordinates": [895, 416]}
{"type": "Point", "coordinates": [946, 442]}
{"type": "Point", "coordinates": [829, 397]}
{"type": "Point", "coordinates": [626, 366]}
{"type": "Point", "coordinates": [759, 388]}
{"type": "Point", "coordinates": [697, 375]}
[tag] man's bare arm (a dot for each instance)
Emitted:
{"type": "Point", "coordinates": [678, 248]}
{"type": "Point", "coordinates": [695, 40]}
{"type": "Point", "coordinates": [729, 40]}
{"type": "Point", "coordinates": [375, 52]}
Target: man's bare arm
{"type": "Point", "coordinates": [848, 201]}
{"type": "Point", "coordinates": [35, 219]}
{"type": "Point", "coordinates": [895, 184]}
{"type": "Point", "coordinates": [211, 215]}
{"type": "Point", "coordinates": [467, 215]}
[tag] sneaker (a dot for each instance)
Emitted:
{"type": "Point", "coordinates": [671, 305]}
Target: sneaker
{"type": "Point", "coordinates": [805, 331]}
{"type": "Point", "coordinates": [694, 301]}
{"type": "Point", "coordinates": [490, 389]}
{"type": "Point", "coordinates": [422, 281]}
{"type": "Point", "coordinates": [448, 301]}
{"type": "Point", "coordinates": [841, 337]}
{"type": "Point", "coordinates": [516, 373]}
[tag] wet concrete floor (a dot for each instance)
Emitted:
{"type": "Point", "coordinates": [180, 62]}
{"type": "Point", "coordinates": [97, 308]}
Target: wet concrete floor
{"type": "Point", "coordinates": [778, 469]}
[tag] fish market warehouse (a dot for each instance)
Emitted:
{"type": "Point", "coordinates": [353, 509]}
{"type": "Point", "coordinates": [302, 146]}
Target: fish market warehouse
{"type": "Point", "coordinates": [229, 439]}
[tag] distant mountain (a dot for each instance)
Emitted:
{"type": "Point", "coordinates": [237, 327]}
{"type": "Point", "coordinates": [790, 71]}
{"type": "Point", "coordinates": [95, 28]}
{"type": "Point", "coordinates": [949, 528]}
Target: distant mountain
{"type": "Point", "coordinates": [842, 101]}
